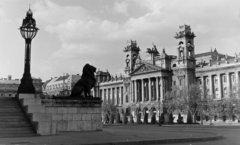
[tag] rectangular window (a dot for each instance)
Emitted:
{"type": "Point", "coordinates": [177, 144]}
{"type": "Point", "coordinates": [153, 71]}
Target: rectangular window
{"type": "Point", "coordinates": [224, 79]}
{"type": "Point", "coordinates": [100, 95]}
{"type": "Point", "coordinates": [215, 80]}
{"type": "Point", "coordinates": [233, 78]}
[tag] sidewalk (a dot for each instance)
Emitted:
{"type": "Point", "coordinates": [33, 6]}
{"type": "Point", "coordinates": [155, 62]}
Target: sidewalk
{"type": "Point", "coordinates": [126, 134]}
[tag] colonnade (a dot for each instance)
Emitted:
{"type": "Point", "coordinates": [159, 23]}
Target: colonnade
{"type": "Point", "coordinates": [140, 90]}
{"type": "Point", "coordinates": [111, 94]}
{"type": "Point", "coordinates": [220, 84]}
{"type": "Point", "coordinates": [148, 89]}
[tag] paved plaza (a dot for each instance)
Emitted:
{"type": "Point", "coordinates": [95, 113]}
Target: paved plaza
{"type": "Point", "coordinates": [139, 134]}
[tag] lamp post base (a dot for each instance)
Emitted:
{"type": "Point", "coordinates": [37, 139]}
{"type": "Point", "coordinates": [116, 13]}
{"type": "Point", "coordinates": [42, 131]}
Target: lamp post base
{"type": "Point", "coordinates": [26, 86]}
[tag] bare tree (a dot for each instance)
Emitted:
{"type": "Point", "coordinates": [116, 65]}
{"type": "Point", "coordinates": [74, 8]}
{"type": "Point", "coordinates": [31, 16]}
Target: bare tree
{"type": "Point", "coordinates": [231, 104]}
{"type": "Point", "coordinates": [109, 109]}
{"type": "Point", "coordinates": [192, 99]}
{"type": "Point", "coordinates": [210, 107]}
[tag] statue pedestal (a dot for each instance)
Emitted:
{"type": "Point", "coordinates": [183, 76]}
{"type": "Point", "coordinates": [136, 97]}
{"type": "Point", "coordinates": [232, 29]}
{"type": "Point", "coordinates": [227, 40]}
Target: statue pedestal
{"type": "Point", "coordinates": [49, 116]}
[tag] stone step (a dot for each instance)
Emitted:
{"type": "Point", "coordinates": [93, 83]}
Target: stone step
{"type": "Point", "coordinates": [9, 105]}
{"type": "Point", "coordinates": [15, 125]}
{"type": "Point", "coordinates": [11, 114]}
{"type": "Point", "coordinates": [8, 102]}
{"type": "Point", "coordinates": [10, 109]}
{"type": "Point", "coordinates": [13, 122]}
{"type": "Point", "coordinates": [16, 128]}
{"type": "Point", "coordinates": [9, 119]}
{"type": "Point", "coordinates": [7, 99]}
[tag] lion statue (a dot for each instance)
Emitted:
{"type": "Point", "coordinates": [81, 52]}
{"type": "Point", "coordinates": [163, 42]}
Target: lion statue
{"type": "Point", "coordinates": [86, 83]}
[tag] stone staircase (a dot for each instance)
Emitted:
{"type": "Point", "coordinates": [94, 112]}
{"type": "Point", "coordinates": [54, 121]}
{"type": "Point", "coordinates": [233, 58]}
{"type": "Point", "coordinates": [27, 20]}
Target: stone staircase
{"type": "Point", "coordinates": [13, 121]}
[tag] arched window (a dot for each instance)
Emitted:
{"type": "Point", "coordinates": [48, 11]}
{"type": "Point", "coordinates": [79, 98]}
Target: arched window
{"type": "Point", "coordinates": [180, 43]}
{"type": "Point", "coordinates": [189, 43]}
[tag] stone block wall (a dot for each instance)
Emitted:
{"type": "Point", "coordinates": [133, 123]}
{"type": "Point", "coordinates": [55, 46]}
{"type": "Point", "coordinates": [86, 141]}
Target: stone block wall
{"type": "Point", "coordinates": [50, 116]}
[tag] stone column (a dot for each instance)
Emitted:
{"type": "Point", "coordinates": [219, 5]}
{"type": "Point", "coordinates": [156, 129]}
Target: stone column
{"type": "Point", "coordinates": [131, 100]}
{"type": "Point", "coordinates": [110, 95]}
{"type": "Point", "coordinates": [161, 89]}
{"type": "Point", "coordinates": [219, 87]}
{"type": "Point", "coordinates": [94, 89]}
{"type": "Point", "coordinates": [210, 85]}
{"type": "Point", "coordinates": [237, 81]}
{"type": "Point", "coordinates": [149, 90]}
{"type": "Point", "coordinates": [237, 78]}
{"type": "Point", "coordinates": [120, 95]}
{"type": "Point", "coordinates": [157, 89]}
{"type": "Point", "coordinates": [135, 90]}
{"type": "Point", "coordinates": [115, 96]}
{"type": "Point", "coordinates": [142, 90]}
{"type": "Point", "coordinates": [228, 79]}
{"type": "Point", "coordinates": [106, 95]}
{"type": "Point", "coordinates": [203, 85]}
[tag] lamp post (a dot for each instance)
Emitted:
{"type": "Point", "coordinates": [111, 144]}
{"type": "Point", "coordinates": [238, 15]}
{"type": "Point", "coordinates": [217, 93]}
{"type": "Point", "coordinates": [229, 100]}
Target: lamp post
{"type": "Point", "coordinates": [28, 31]}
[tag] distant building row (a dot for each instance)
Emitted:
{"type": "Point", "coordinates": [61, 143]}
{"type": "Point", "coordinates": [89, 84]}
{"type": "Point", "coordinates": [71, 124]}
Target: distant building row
{"type": "Point", "coordinates": [9, 87]}
{"type": "Point", "coordinates": [60, 86]}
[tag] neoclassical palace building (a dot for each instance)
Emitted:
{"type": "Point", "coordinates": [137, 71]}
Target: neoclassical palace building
{"type": "Point", "coordinates": [145, 82]}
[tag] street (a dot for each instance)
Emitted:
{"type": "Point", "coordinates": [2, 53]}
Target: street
{"type": "Point", "coordinates": [231, 135]}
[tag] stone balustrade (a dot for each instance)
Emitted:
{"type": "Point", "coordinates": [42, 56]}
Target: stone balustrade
{"type": "Point", "coordinates": [52, 115]}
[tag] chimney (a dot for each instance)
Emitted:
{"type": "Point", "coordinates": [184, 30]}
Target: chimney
{"type": "Point", "coordinates": [9, 77]}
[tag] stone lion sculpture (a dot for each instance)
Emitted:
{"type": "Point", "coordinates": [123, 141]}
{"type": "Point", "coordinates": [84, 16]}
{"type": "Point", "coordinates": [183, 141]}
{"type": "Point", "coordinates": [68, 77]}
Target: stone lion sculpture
{"type": "Point", "coordinates": [86, 83]}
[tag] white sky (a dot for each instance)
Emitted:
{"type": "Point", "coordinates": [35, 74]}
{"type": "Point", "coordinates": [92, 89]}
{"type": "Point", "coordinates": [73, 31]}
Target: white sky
{"type": "Point", "coordinates": [75, 32]}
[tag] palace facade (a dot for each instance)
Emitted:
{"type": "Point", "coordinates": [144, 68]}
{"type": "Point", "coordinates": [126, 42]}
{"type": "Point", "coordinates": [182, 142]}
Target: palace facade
{"type": "Point", "coordinates": [143, 87]}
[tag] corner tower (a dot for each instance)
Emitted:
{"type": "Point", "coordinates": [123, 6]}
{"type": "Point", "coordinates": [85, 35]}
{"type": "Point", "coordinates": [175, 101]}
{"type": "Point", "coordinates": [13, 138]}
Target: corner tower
{"type": "Point", "coordinates": [184, 70]}
{"type": "Point", "coordinates": [131, 54]}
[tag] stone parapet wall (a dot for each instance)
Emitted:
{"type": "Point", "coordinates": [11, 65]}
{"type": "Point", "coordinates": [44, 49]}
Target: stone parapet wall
{"type": "Point", "coordinates": [50, 116]}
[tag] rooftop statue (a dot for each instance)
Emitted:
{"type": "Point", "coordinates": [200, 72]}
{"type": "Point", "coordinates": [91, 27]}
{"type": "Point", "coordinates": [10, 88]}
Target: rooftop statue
{"type": "Point", "coordinates": [29, 21]}
{"type": "Point", "coordinates": [86, 83]}
{"type": "Point", "coordinates": [153, 50]}
{"type": "Point", "coordinates": [226, 57]}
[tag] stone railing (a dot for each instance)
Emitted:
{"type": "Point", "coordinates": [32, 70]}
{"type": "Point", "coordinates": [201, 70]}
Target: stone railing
{"type": "Point", "coordinates": [62, 114]}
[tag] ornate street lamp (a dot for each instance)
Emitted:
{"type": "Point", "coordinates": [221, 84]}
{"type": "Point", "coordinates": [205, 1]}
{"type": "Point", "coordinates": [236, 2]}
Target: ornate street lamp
{"type": "Point", "coordinates": [28, 31]}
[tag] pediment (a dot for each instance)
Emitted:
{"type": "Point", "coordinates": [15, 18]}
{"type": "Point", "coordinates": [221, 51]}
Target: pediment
{"type": "Point", "coordinates": [145, 68]}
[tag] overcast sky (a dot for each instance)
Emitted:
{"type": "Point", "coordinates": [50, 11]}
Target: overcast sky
{"type": "Point", "coordinates": [75, 32]}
